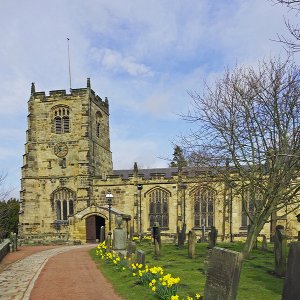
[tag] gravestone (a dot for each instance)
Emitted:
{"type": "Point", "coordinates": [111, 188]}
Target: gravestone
{"type": "Point", "coordinates": [192, 239]}
{"type": "Point", "coordinates": [156, 249]}
{"type": "Point", "coordinates": [131, 248]}
{"type": "Point", "coordinates": [102, 234]}
{"type": "Point", "coordinates": [212, 237]}
{"type": "Point", "coordinates": [181, 235]}
{"type": "Point", "coordinates": [223, 274]}
{"type": "Point", "coordinates": [291, 289]}
{"type": "Point", "coordinates": [280, 250]}
{"type": "Point", "coordinates": [264, 245]}
{"type": "Point", "coordinates": [140, 257]}
{"type": "Point", "coordinates": [119, 242]}
{"type": "Point", "coordinates": [107, 244]}
{"type": "Point", "coordinates": [156, 233]}
{"type": "Point", "coordinates": [120, 235]}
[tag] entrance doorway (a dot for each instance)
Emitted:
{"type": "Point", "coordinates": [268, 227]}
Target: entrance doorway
{"type": "Point", "coordinates": [93, 224]}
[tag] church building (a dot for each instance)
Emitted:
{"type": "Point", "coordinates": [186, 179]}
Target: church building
{"type": "Point", "coordinates": [69, 188]}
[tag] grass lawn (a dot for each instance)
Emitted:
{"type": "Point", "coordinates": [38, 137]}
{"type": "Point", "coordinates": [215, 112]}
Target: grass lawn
{"type": "Point", "coordinates": [257, 281]}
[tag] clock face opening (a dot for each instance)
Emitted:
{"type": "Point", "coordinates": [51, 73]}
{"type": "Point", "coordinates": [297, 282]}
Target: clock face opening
{"type": "Point", "coordinates": [61, 149]}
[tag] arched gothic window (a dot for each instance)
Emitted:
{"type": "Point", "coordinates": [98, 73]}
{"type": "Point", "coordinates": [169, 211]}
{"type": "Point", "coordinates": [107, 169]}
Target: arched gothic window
{"type": "Point", "coordinates": [64, 203]}
{"type": "Point", "coordinates": [251, 200]}
{"type": "Point", "coordinates": [159, 208]}
{"type": "Point", "coordinates": [204, 199]}
{"type": "Point", "coordinates": [61, 119]}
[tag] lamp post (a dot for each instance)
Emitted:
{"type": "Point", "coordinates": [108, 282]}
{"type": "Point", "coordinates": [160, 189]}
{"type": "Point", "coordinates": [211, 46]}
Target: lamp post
{"type": "Point", "coordinates": [139, 188]}
{"type": "Point", "coordinates": [109, 197]}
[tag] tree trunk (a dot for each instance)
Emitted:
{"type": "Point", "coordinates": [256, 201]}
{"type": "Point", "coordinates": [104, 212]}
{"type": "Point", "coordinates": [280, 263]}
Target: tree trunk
{"type": "Point", "coordinates": [251, 239]}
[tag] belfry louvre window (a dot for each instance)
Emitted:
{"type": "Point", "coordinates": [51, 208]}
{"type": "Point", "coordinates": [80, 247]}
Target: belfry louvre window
{"type": "Point", "coordinates": [64, 203]}
{"type": "Point", "coordinates": [61, 120]}
{"type": "Point", "coordinates": [159, 208]}
{"type": "Point", "coordinates": [204, 199]}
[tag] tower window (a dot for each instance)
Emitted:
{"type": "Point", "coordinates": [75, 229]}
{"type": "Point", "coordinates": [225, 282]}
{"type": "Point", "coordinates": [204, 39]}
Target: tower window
{"type": "Point", "coordinates": [64, 203]}
{"type": "Point", "coordinates": [61, 120]}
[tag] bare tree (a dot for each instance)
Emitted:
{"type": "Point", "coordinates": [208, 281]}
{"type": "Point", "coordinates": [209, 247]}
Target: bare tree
{"type": "Point", "coordinates": [251, 117]}
{"type": "Point", "coordinates": [293, 41]}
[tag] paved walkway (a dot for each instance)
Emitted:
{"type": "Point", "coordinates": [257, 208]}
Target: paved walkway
{"type": "Point", "coordinates": [59, 273]}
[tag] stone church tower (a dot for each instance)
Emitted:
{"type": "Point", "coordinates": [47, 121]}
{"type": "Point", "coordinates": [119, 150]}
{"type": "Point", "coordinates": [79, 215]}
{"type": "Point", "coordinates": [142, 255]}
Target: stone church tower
{"type": "Point", "coordinates": [67, 145]}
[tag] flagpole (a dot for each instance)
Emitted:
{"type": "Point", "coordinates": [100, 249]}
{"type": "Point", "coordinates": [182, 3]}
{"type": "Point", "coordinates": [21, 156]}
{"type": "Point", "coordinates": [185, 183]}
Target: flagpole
{"type": "Point", "coordinates": [69, 65]}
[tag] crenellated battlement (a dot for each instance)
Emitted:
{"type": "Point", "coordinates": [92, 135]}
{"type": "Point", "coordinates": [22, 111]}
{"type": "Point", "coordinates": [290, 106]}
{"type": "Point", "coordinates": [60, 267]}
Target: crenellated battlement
{"type": "Point", "coordinates": [58, 95]}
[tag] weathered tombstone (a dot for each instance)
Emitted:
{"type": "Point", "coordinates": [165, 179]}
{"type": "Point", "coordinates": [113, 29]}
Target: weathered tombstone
{"type": "Point", "coordinates": [291, 288]}
{"type": "Point", "coordinates": [181, 235]}
{"type": "Point", "coordinates": [131, 248]}
{"type": "Point", "coordinates": [212, 237]}
{"type": "Point", "coordinates": [107, 244]}
{"type": "Point", "coordinates": [102, 234]}
{"type": "Point", "coordinates": [264, 245]}
{"type": "Point", "coordinates": [156, 233]}
{"type": "Point", "coordinates": [223, 274]}
{"type": "Point", "coordinates": [175, 239]}
{"type": "Point", "coordinates": [192, 239]}
{"type": "Point", "coordinates": [156, 249]}
{"type": "Point", "coordinates": [206, 260]}
{"type": "Point", "coordinates": [140, 257]}
{"type": "Point", "coordinates": [280, 249]}
{"type": "Point", "coordinates": [120, 236]}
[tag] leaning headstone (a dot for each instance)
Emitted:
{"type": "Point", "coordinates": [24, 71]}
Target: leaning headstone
{"type": "Point", "coordinates": [192, 239]}
{"type": "Point", "coordinates": [291, 289]}
{"type": "Point", "coordinates": [140, 257]}
{"type": "Point", "coordinates": [212, 237]}
{"type": "Point", "coordinates": [223, 274]}
{"type": "Point", "coordinates": [264, 245]}
{"type": "Point", "coordinates": [156, 249]}
{"type": "Point", "coordinates": [102, 234]}
{"type": "Point", "coordinates": [280, 249]}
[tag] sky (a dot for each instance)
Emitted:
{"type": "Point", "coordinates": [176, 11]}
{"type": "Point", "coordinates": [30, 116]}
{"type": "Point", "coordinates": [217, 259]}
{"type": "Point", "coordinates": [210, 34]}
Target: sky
{"type": "Point", "coordinates": [144, 55]}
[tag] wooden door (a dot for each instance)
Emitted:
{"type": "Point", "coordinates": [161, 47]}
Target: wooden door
{"type": "Point", "coordinates": [90, 224]}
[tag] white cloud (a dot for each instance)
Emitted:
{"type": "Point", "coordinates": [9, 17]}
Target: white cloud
{"type": "Point", "coordinates": [143, 55]}
{"type": "Point", "coordinates": [116, 62]}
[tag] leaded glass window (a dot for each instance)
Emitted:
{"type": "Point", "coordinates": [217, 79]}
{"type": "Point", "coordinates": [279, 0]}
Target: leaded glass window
{"type": "Point", "coordinates": [64, 203]}
{"type": "Point", "coordinates": [204, 199]}
{"type": "Point", "coordinates": [159, 208]}
{"type": "Point", "coordinates": [251, 201]}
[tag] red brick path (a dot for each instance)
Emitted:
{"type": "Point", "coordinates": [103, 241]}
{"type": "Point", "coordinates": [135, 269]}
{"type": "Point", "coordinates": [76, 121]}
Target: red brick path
{"type": "Point", "coordinates": [72, 275]}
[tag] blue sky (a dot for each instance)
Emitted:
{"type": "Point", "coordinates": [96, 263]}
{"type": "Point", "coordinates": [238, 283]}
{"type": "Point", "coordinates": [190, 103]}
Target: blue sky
{"type": "Point", "coordinates": [143, 55]}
